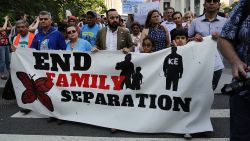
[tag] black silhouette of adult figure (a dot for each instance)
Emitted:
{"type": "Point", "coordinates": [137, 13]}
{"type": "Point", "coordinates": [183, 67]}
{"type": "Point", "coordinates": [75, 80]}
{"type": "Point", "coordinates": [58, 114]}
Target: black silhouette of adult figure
{"type": "Point", "coordinates": [173, 69]}
{"type": "Point", "coordinates": [137, 79]}
{"type": "Point", "coordinates": [127, 70]}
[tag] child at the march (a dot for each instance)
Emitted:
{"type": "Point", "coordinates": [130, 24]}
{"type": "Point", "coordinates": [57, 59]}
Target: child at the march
{"type": "Point", "coordinates": [148, 45]}
{"type": "Point", "coordinates": [180, 37]}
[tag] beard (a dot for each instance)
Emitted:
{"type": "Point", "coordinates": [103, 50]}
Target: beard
{"type": "Point", "coordinates": [113, 26]}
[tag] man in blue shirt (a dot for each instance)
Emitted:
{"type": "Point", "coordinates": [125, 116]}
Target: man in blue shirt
{"type": "Point", "coordinates": [89, 31]}
{"type": "Point", "coordinates": [209, 24]}
{"type": "Point", "coordinates": [47, 38]}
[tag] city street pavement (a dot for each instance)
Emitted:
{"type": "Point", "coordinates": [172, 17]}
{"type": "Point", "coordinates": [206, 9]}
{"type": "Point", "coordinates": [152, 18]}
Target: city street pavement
{"type": "Point", "coordinates": [15, 126]}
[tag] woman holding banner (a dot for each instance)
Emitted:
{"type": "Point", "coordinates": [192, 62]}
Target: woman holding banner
{"type": "Point", "coordinates": [75, 43]}
{"type": "Point", "coordinates": [156, 31]}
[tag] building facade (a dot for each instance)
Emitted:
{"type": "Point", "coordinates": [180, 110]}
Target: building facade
{"type": "Point", "coordinates": [195, 6]}
{"type": "Point", "coordinates": [183, 6]}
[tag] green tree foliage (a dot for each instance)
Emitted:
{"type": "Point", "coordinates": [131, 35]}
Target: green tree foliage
{"type": "Point", "coordinates": [56, 7]}
{"type": "Point", "coordinates": [228, 9]}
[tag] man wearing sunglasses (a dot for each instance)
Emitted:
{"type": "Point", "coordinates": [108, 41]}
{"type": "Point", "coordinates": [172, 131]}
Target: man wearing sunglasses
{"type": "Point", "coordinates": [209, 24]}
{"type": "Point", "coordinates": [113, 37]}
{"type": "Point", "coordinates": [47, 38]}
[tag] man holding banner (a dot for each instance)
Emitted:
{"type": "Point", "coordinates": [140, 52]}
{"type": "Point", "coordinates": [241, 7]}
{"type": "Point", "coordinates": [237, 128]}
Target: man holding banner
{"type": "Point", "coordinates": [48, 38]}
{"type": "Point", "coordinates": [113, 37]}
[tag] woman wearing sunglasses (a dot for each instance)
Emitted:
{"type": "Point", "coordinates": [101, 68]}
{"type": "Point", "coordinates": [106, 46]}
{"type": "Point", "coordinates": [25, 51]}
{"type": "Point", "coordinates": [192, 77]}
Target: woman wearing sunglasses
{"type": "Point", "coordinates": [75, 43]}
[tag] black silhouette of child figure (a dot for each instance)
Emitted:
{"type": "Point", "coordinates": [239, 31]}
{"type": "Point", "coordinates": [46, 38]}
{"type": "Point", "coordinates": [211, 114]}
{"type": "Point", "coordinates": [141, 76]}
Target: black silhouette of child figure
{"type": "Point", "coordinates": [127, 70]}
{"type": "Point", "coordinates": [173, 69]}
{"type": "Point", "coordinates": [137, 79]}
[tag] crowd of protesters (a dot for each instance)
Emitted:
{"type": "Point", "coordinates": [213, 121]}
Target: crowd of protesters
{"type": "Point", "coordinates": [92, 32]}
{"type": "Point", "coordinates": [94, 28]}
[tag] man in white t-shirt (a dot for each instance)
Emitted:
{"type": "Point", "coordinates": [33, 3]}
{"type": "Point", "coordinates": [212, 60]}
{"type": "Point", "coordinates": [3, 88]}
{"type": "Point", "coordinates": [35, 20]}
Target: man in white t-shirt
{"type": "Point", "coordinates": [24, 38]}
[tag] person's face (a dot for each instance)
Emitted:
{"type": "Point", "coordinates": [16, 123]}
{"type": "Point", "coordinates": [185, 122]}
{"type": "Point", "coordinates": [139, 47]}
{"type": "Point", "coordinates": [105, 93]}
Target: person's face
{"type": "Point", "coordinates": [103, 19]}
{"type": "Point", "coordinates": [212, 5]}
{"type": "Point", "coordinates": [147, 46]}
{"type": "Point", "coordinates": [72, 33]}
{"type": "Point", "coordinates": [177, 19]}
{"type": "Point", "coordinates": [45, 21]}
{"type": "Point", "coordinates": [122, 23]}
{"type": "Point", "coordinates": [113, 19]}
{"type": "Point", "coordinates": [169, 13]}
{"type": "Point", "coordinates": [188, 17]}
{"type": "Point", "coordinates": [136, 30]}
{"type": "Point", "coordinates": [155, 18]}
{"type": "Point", "coordinates": [98, 19]}
{"type": "Point", "coordinates": [71, 23]}
{"type": "Point", "coordinates": [180, 40]}
{"type": "Point", "coordinates": [90, 20]}
{"type": "Point", "coordinates": [22, 29]}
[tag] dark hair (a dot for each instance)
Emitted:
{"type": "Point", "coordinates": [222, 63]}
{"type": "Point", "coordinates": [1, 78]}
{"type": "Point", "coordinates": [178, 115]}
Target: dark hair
{"type": "Point", "coordinates": [180, 32]}
{"type": "Point", "coordinates": [209, 0]}
{"type": "Point", "coordinates": [135, 24]}
{"type": "Point", "coordinates": [19, 15]}
{"type": "Point", "coordinates": [150, 13]}
{"type": "Point", "coordinates": [110, 10]}
{"type": "Point", "coordinates": [177, 12]}
{"type": "Point", "coordinates": [169, 8]}
{"type": "Point", "coordinates": [62, 27]}
{"type": "Point", "coordinates": [221, 14]}
{"type": "Point", "coordinates": [83, 15]}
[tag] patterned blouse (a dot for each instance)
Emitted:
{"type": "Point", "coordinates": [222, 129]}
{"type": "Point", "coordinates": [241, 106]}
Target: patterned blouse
{"type": "Point", "coordinates": [158, 35]}
{"type": "Point", "coordinates": [231, 27]}
{"type": "Point", "coordinates": [4, 41]}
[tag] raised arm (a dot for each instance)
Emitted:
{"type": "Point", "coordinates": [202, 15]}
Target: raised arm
{"type": "Point", "coordinates": [4, 27]}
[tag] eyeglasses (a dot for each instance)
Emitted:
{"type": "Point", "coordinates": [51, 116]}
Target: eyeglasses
{"type": "Point", "coordinates": [214, 1]}
{"type": "Point", "coordinates": [180, 37]}
{"type": "Point", "coordinates": [71, 32]}
{"type": "Point", "coordinates": [114, 17]}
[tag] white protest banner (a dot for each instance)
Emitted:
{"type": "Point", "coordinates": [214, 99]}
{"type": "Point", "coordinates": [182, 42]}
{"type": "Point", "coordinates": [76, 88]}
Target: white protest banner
{"type": "Point", "coordinates": [166, 91]}
{"type": "Point", "coordinates": [143, 9]}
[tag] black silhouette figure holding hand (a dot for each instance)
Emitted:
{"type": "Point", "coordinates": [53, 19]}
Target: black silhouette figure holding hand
{"type": "Point", "coordinates": [127, 70]}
